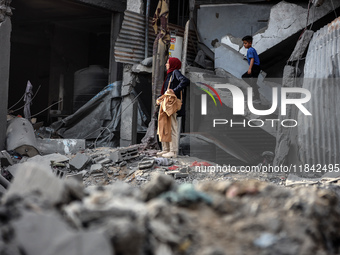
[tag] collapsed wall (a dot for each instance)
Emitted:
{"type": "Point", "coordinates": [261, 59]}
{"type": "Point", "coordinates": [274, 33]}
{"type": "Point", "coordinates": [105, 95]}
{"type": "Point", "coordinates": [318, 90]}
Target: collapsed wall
{"type": "Point", "coordinates": [286, 20]}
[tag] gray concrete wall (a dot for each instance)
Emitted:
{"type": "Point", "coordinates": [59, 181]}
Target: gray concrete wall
{"type": "Point", "coordinates": [216, 21]}
{"type": "Point", "coordinates": [128, 126]}
{"type": "Point", "coordinates": [230, 60]}
{"type": "Point", "coordinates": [5, 46]}
{"type": "Point", "coordinates": [285, 20]}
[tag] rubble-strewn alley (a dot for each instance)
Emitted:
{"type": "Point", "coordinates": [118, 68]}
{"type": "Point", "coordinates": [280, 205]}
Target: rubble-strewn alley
{"type": "Point", "coordinates": [122, 201]}
{"type": "Point", "coordinates": [139, 127]}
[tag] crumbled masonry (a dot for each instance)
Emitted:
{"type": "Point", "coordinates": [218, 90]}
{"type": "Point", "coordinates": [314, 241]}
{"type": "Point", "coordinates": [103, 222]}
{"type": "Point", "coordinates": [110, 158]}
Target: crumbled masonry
{"type": "Point", "coordinates": [151, 205]}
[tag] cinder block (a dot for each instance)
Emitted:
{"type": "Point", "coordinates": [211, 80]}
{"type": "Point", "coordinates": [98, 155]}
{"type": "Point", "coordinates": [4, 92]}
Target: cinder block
{"type": "Point", "coordinates": [96, 168]}
{"type": "Point", "coordinates": [181, 175]}
{"type": "Point", "coordinates": [123, 154]}
{"type": "Point", "coordinates": [77, 177]}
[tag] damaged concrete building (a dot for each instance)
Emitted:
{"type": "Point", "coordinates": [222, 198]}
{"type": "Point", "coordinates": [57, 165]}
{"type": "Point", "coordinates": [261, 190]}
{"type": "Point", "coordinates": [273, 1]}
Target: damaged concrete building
{"type": "Point", "coordinates": [70, 51]}
{"type": "Point", "coordinates": [79, 170]}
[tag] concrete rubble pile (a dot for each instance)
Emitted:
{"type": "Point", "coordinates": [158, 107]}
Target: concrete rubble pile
{"type": "Point", "coordinates": [43, 214]}
{"type": "Point", "coordinates": [128, 201]}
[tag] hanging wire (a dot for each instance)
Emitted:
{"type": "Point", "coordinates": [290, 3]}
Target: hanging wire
{"type": "Point", "coordinates": [336, 15]}
{"type": "Point", "coordinates": [17, 102]}
{"type": "Point", "coordinates": [46, 108]}
{"type": "Point", "coordinates": [29, 101]}
{"type": "Point", "coordinates": [110, 136]}
{"type": "Point", "coordinates": [305, 28]}
{"type": "Point", "coordinates": [301, 35]}
{"type": "Point", "coordinates": [311, 25]}
{"type": "Point", "coordinates": [307, 20]}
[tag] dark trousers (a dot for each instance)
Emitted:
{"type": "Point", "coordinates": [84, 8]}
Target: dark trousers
{"type": "Point", "coordinates": [251, 79]}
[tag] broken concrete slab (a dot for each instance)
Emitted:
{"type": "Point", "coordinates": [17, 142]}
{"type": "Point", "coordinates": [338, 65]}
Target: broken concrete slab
{"type": "Point", "coordinates": [286, 19]}
{"type": "Point", "coordinates": [107, 202]}
{"type": "Point", "coordinates": [48, 234]}
{"type": "Point", "coordinates": [79, 161]}
{"type": "Point", "coordinates": [44, 161]}
{"type": "Point", "coordinates": [159, 184]}
{"type": "Point", "coordinates": [95, 168]}
{"type": "Point", "coordinates": [147, 62]}
{"type": "Point", "coordinates": [172, 172]}
{"type": "Point", "coordinates": [123, 154]}
{"type": "Point", "coordinates": [33, 177]}
{"type": "Point", "coordinates": [124, 231]}
{"type": "Point", "coordinates": [200, 58]}
{"type": "Point", "coordinates": [296, 180]}
{"type": "Point", "coordinates": [230, 60]}
{"type": "Point", "coordinates": [215, 20]}
{"type": "Point", "coordinates": [62, 146]}
{"type": "Point", "coordinates": [301, 45]}
{"type": "Point", "coordinates": [284, 138]}
{"type": "Point", "coordinates": [21, 138]}
{"type": "Point", "coordinates": [146, 163]}
{"type": "Point", "coordinates": [140, 68]}
{"type": "Point", "coordinates": [78, 177]}
{"type": "Point", "coordinates": [103, 161]}
{"type": "Point", "coordinates": [47, 159]}
{"type": "Point", "coordinates": [330, 177]}
{"type": "Point", "coordinates": [180, 175]}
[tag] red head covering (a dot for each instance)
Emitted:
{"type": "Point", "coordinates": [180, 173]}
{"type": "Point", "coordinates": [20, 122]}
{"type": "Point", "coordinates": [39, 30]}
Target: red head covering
{"type": "Point", "coordinates": [174, 64]}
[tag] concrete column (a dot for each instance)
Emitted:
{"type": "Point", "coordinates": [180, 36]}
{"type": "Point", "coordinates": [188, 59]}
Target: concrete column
{"type": "Point", "coordinates": [115, 69]}
{"type": "Point", "coordinates": [128, 126]}
{"type": "Point", "coordinates": [5, 49]}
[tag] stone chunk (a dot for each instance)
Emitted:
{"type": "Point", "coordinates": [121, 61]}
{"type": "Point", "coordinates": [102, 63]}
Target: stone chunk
{"type": "Point", "coordinates": [96, 168]}
{"type": "Point", "coordinates": [31, 177]}
{"type": "Point", "coordinates": [48, 234]}
{"type": "Point", "coordinates": [78, 177]}
{"type": "Point", "coordinates": [181, 175]}
{"type": "Point", "coordinates": [125, 153]}
{"type": "Point", "coordinates": [79, 161]}
{"type": "Point", "coordinates": [236, 65]}
{"type": "Point", "coordinates": [146, 163]}
{"type": "Point", "coordinates": [62, 146]}
{"type": "Point", "coordinates": [301, 45]}
{"type": "Point", "coordinates": [159, 183]}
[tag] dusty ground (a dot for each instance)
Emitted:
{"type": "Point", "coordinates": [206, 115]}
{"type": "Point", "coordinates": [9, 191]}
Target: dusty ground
{"type": "Point", "coordinates": [145, 206]}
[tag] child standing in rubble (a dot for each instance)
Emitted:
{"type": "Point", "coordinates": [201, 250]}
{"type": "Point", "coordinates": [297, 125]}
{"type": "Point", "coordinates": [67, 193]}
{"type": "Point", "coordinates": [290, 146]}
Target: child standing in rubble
{"type": "Point", "coordinates": [254, 68]}
{"type": "Point", "coordinates": [174, 84]}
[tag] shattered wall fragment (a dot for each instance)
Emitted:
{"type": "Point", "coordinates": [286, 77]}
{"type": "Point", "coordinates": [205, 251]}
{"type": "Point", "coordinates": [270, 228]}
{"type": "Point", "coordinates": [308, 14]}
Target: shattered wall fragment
{"type": "Point", "coordinates": [230, 19]}
{"type": "Point", "coordinates": [285, 20]}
